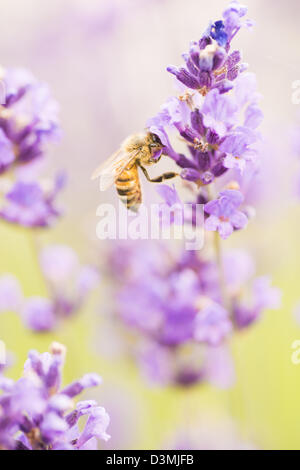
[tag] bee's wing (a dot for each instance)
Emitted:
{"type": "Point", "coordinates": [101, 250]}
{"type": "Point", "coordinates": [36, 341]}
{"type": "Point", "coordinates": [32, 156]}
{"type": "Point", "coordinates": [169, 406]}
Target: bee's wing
{"type": "Point", "coordinates": [113, 167]}
{"type": "Point", "coordinates": [101, 168]}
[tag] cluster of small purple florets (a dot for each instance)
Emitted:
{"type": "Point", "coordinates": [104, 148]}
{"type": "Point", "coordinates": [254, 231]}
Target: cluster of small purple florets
{"type": "Point", "coordinates": [28, 120]}
{"type": "Point", "coordinates": [174, 301]}
{"type": "Point", "coordinates": [216, 115]}
{"type": "Point", "coordinates": [67, 283]}
{"type": "Point", "coordinates": [36, 413]}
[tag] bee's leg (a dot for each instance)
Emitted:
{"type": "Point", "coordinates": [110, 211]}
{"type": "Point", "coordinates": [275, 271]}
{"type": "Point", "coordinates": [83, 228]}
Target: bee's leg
{"type": "Point", "coordinates": [161, 178]}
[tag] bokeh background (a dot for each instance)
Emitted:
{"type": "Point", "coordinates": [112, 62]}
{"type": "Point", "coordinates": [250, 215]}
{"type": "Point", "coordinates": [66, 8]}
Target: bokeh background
{"type": "Point", "coordinates": [105, 62]}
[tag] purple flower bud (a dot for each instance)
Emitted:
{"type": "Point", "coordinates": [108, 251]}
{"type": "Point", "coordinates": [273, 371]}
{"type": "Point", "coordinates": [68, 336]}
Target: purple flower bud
{"type": "Point", "coordinates": [205, 80]}
{"type": "Point", "coordinates": [207, 177]}
{"type": "Point", "coordinates": [87, 381]}
{"type": "Point", "coordinates": [224, 86]}
{"type": "Point", "coordinates": [184, 77]}
{"type": "Point", "coordinates": [197, 122]}
{"type": "Point", "coordinates": [218, 59]}
{"type": "Point", "coordinates": [190, 174]}
{"type": "Point", "coordinates": [203, 160]}
{"type": "Point", "coordinates": [185, 162]}
{"type": "Point", "coordinates": [233, 59]}
{"type": "Point", "coordinates": [204, 41]}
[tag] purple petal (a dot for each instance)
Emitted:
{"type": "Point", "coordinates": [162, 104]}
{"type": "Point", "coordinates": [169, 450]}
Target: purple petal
{"type": "Point", "coordinates": [225, 229]}
{"type": "Point", "coordinates": [87, 381]}
{"type": "Point", "coordinates": [184, 77]}
{"type": "Point", "coordinates": [239, 220]}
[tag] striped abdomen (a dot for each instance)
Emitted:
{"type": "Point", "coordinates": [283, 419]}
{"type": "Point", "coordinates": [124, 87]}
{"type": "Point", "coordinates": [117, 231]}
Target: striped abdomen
{"type": "Point", "coordinates": [129, 188]}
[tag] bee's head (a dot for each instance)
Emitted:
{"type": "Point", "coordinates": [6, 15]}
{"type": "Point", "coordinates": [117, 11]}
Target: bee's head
{"type": "Point", "coordinates": [154, 140]}
{"type": "Point", "coordinates": [155, 147]}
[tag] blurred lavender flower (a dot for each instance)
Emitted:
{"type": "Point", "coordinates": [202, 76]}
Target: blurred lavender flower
{"type": "Point", "coordinates": [28, 204]}
{"type": "Point", "coordinates": [39, 314]}
{"type": "Point", "coordinates": [212, 324]}
{"type": "Point", "coordinates": [28, 117]}
{"type": "Point", "coordinates": [68, 284]}
{"type": "Point", "coordinates": [174, 302]}
{"type": "Point", "coordinates": [11, 296]}
{"type": "Point", "coordinates": [28, 121]}
{"type": "Point", "coordinates": [263, 296]}
{"type": "Point", "coordinates": [36, 413]}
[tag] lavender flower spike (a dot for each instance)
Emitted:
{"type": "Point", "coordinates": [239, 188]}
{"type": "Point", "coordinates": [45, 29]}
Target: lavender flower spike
{"type": "Point", "coordinates": [184, 306]}
{"type": "Point", "coordinates": [36, 414]}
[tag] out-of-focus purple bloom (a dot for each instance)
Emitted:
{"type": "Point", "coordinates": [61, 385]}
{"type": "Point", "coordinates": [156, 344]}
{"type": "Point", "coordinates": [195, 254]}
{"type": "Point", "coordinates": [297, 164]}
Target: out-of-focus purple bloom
{"type": "Point", "coordinates": [38, 314]}
{"type": "Point", "coordinates": [28, 117]}
{"type": "Point", "coordinates": [174, 303]}
{"type": "Point", "coordinates": [185, 367]}
{"type": "Point", "coordinates": [264, 297]}
{"type": "Point", "coordinates": [36, 414]}
{"type": "Point", "coordinates": [58, 263]}
{"type": "Point", "coordinates": [28, 204]}
{"type": "Point", "coordinates": [28, 120]}
{"type": "Point", "coordinates": [11, 296]}
{"type": "Point", "coordinates": [7, 155]}
{"type": "Point", "coordinates": [224, 215]}
{"type": "Point", "coordinates": [88, 279]}
{"type": "Point", "coordinates": [239, 268]}
{"type": "Point", "coordinates": [68, 282]}
{"type": "Point", "coordinates": [172, 315]}
{"type": "Point", "coordinates": [219, 367]}
{"type": "Point", "coordinates": [212, 324]}
{"type": "Point", "coordinates": [168, 294]}
{"type": "Point", "coordinates": [65, 275]}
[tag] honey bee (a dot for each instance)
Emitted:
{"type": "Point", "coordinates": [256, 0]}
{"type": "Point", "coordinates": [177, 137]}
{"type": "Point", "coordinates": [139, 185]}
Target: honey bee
{"type": "Point", "coordinates": [121, 168]}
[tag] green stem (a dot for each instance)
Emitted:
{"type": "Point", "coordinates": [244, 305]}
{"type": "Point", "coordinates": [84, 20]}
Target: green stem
{"type": "Point", "coordinates": [219, 256]}
{"type": "Point", "coordinates": [219, 260]}
{"type": "Point", "coordinates": [35, 249]}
